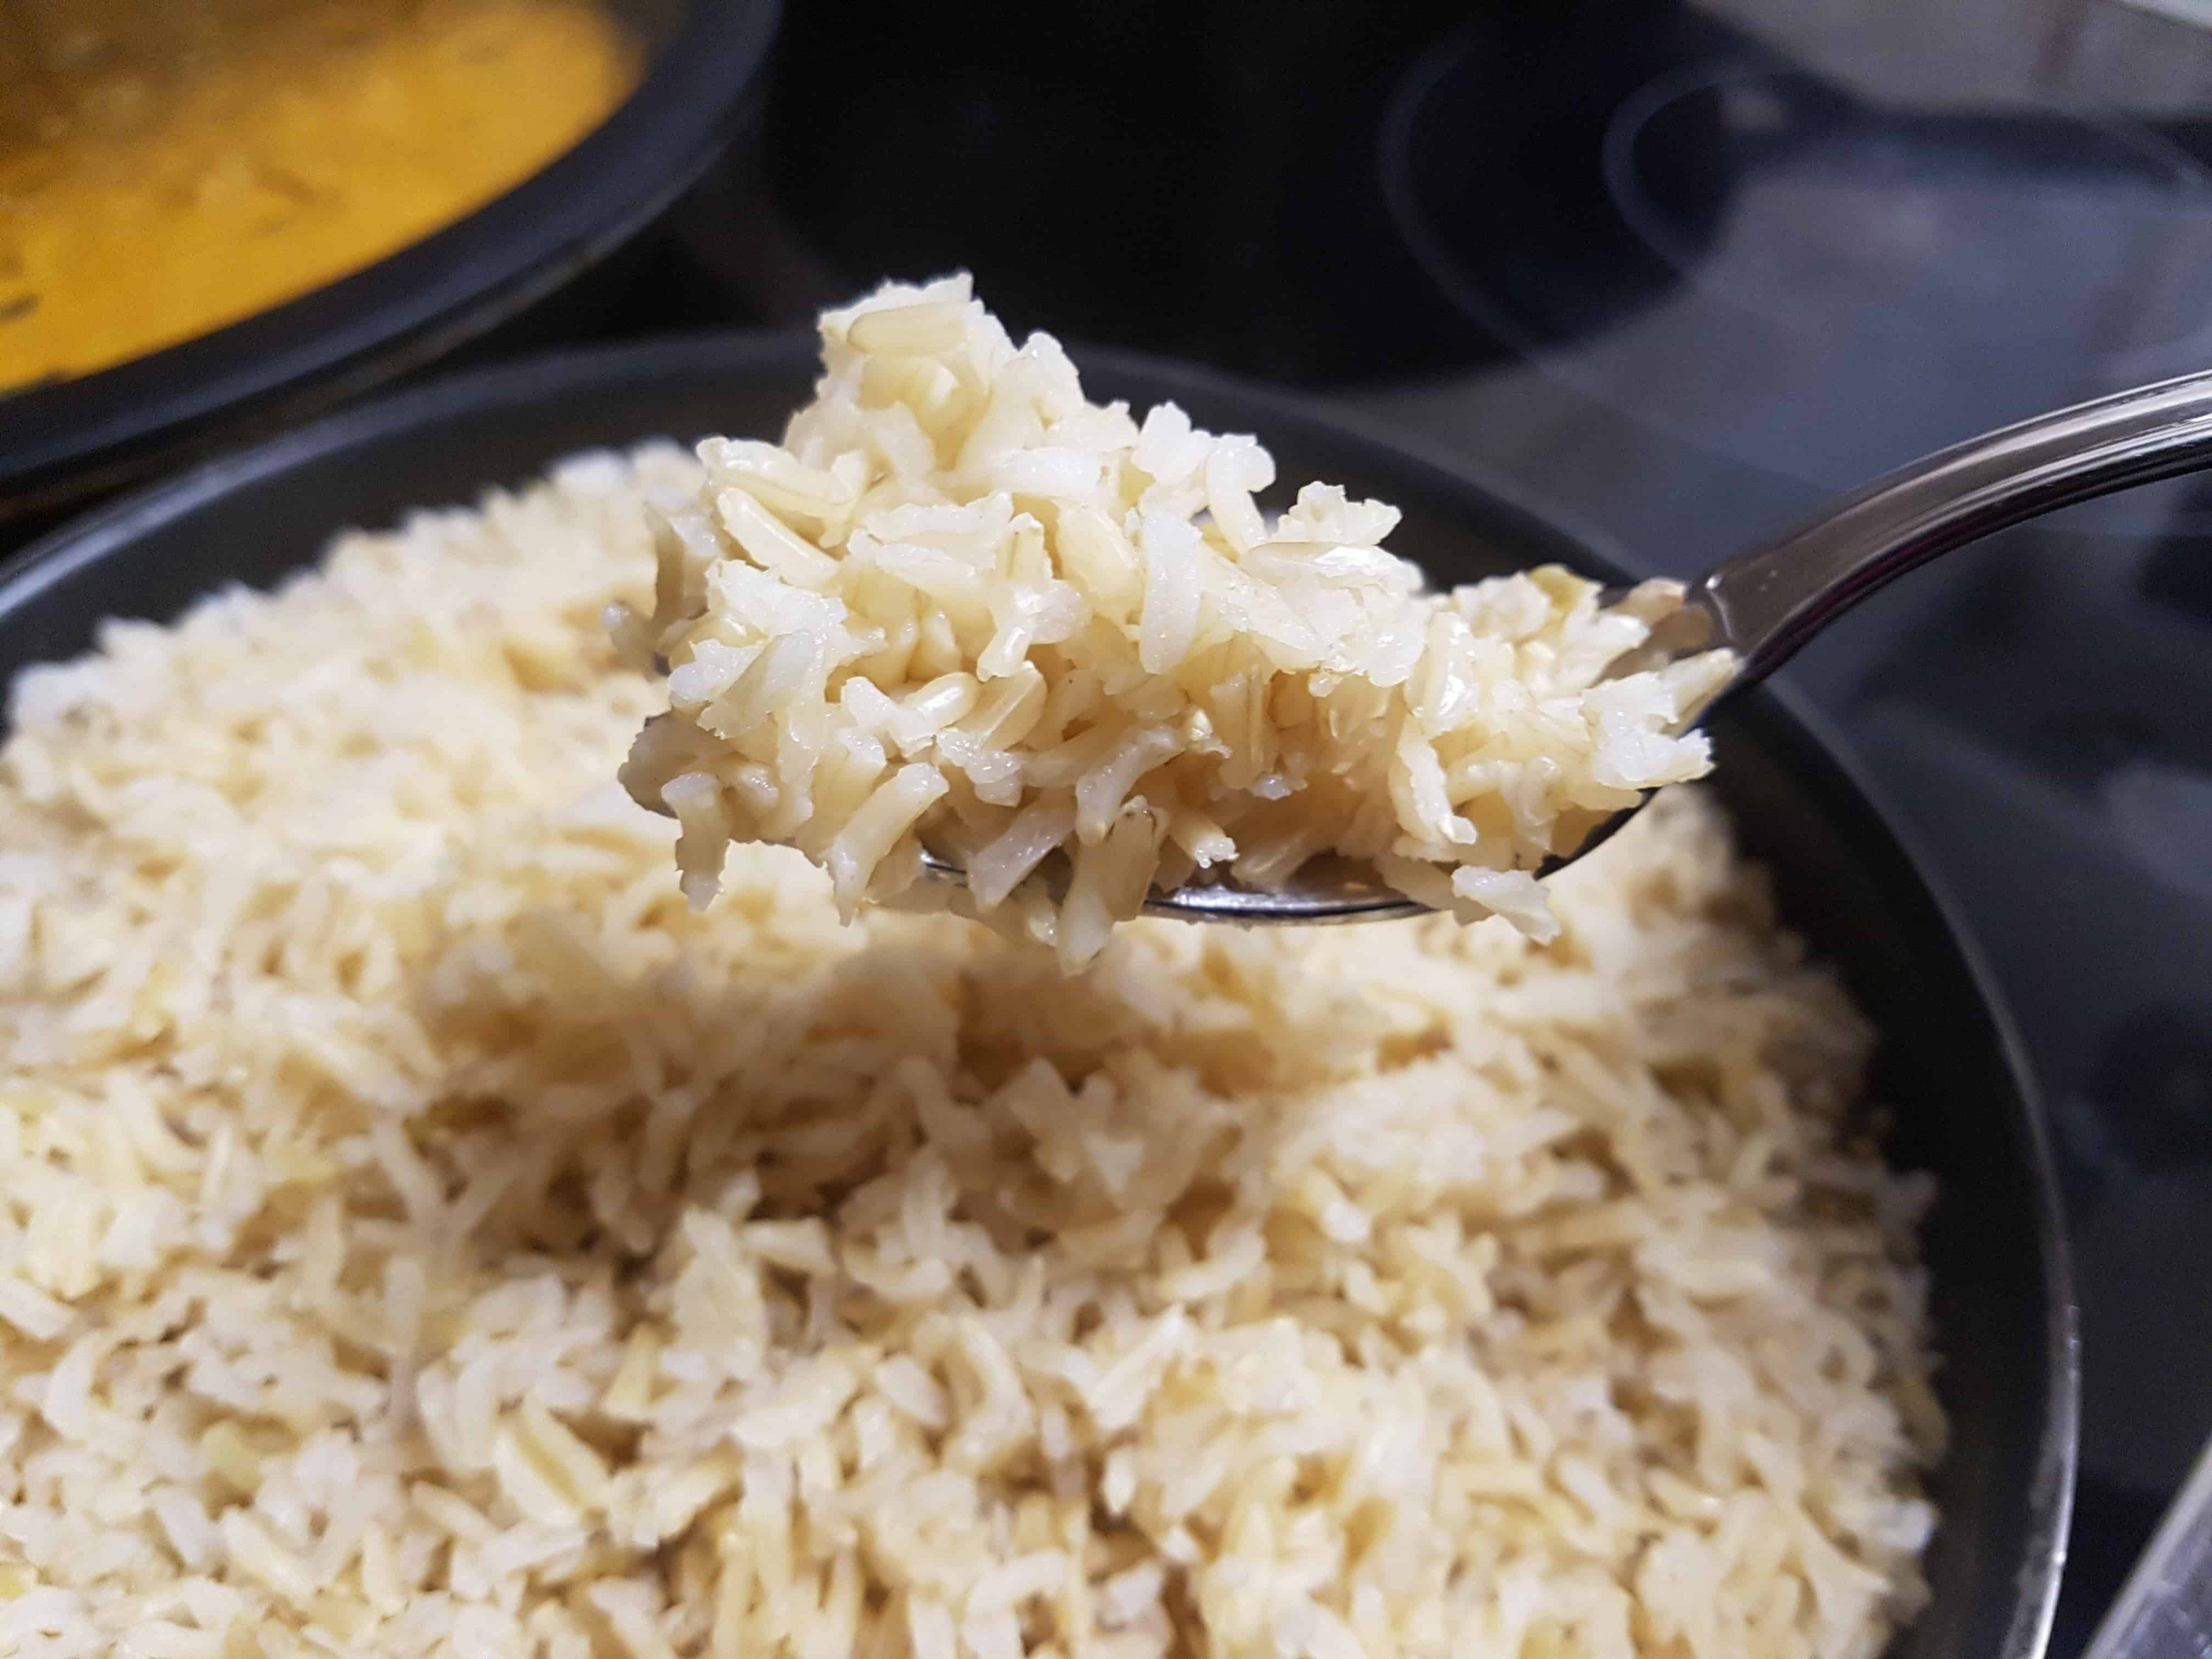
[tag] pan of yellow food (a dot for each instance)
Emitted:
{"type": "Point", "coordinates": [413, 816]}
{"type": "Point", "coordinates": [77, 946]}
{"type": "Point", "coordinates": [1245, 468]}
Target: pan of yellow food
{"type": "Point", "coordinates": [218, 214]}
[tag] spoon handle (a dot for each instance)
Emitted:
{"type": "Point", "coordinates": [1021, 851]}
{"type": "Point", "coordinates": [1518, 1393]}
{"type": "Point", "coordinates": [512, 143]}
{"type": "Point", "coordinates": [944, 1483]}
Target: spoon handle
{"type": "Point", "coordinates": [1771, 600]}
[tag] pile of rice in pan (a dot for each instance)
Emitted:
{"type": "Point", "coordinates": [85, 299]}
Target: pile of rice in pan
{"type": "Point", "coordinates": [421, 1233]}
{"type": "Point", "coordinates": [963, 609]}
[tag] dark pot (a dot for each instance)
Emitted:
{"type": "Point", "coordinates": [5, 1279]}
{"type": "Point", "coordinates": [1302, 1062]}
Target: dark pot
{"type": "Point", "coordinates": [1950, 1068]}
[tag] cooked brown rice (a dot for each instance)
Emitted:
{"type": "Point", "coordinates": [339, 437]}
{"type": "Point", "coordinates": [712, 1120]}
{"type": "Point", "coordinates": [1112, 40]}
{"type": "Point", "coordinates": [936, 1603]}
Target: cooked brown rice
{"type": "Point", "coordinates": [423, 1236]}
{"type": "Point", "coordinates": [962, 608]}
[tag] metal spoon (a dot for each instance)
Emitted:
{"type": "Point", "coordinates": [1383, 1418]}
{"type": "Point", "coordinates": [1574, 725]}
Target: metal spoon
{"type": "Point", "coordinates": [1767, 602]}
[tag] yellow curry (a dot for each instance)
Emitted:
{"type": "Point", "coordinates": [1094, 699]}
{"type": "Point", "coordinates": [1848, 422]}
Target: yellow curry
{"type": "Point", "coordinates": [170, 166]}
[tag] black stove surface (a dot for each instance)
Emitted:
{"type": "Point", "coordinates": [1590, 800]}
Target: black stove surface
{"type": "Point", "coordinates": [1778, 256]}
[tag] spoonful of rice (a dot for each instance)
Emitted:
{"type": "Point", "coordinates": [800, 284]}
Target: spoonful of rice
{"type": "Point", "coordinates": [970, 641]}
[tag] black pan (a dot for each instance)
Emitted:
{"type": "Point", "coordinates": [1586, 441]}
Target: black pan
{"type": "Point", "coordinates": [1965, 1105]}
{"type": "Point", "coordinates": [62, 444]}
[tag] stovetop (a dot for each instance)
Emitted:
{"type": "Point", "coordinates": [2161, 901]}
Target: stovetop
{"type": "Point", "coordinates": [1680, 269]}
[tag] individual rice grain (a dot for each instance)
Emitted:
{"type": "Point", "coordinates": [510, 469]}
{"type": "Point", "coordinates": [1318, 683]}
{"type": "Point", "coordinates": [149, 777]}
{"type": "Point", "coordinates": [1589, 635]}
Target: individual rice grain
{"type": "Point", "coordinates": [961, 605]}
{"type": "Point", "coordinates": [421, 1233]}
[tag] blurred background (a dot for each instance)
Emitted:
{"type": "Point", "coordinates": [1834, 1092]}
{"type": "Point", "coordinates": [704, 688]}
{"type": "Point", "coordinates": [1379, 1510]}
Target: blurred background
{"type": "Point", "coordinates": [1671, 272]}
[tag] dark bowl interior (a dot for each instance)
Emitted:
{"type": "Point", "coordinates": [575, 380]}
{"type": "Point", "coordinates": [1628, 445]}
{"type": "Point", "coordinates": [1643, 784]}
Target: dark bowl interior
{"type": "Point", "coordinates": [64, 442]}
{"type": "Point", "coordinates": [1963, 1103]}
